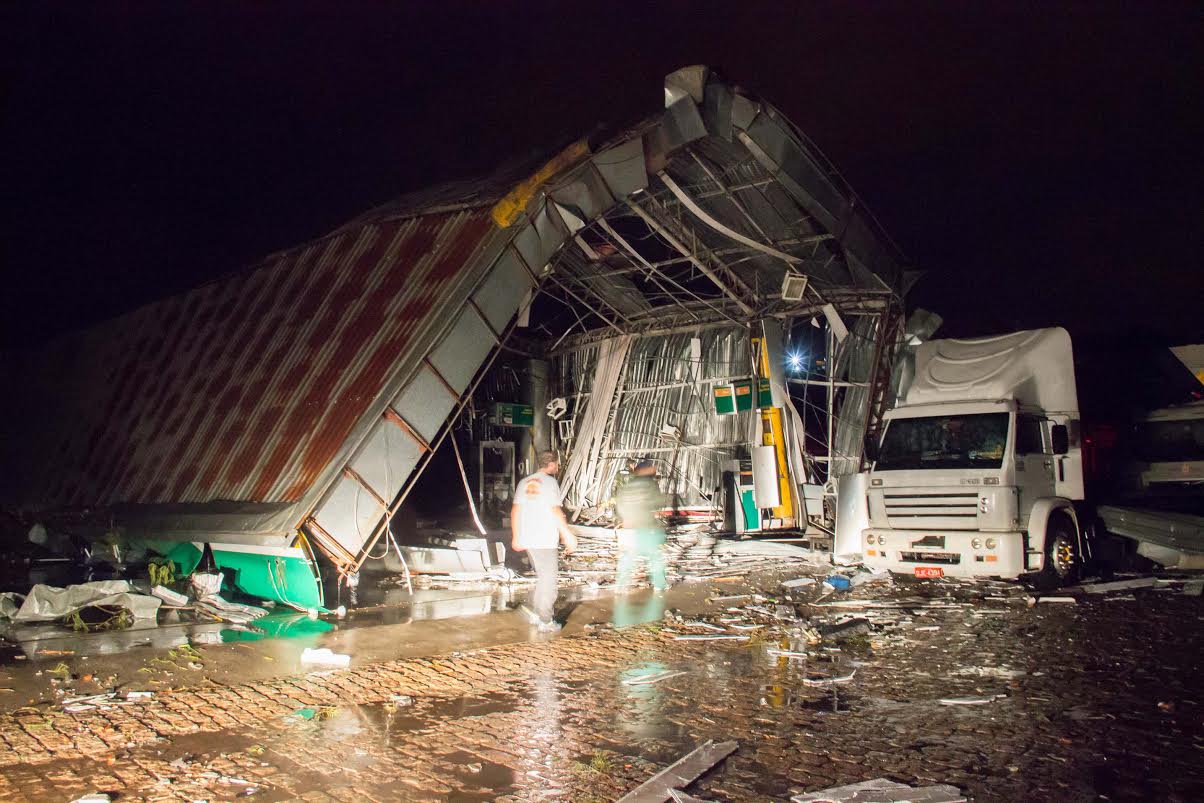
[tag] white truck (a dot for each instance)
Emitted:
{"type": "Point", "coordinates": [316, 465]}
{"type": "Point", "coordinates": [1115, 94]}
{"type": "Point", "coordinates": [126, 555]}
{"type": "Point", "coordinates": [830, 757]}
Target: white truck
{"type": "Point", "coordinates": [979, 467]}
{"type": "Point", "coordinates": [1162, 507]}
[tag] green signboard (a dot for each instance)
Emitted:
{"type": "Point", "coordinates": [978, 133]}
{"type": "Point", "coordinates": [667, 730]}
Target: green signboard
{"type": "Point", "coordinates": [513, 415]}
{"type": "Point", "coordinates": [725, 400]}
{"type": "Point", "coordinates": [744, 394]}
{"type": "Point", "coordinates": [764, 394]}
{"type": "Point", "coordinates": [737, 396]}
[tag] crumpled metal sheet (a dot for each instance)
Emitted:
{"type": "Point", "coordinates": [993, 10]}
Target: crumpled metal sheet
{"type": "Point", "coordinates": [663, 382]}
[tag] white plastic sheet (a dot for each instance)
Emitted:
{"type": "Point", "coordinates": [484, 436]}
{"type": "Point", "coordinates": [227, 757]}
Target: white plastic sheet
{"type": "Point", "coordinates": [49, 603]}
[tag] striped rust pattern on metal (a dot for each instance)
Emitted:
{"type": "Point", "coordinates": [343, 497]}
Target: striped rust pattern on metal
{"type": "Point", "coordinates": [245, 389]}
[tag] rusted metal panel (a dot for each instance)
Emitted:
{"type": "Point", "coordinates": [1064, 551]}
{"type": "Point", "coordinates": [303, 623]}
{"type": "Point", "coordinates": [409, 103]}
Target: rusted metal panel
{"type": "Point", "coordinates": [247, 388]}
{"type": "Point", "coordinates": [386, 462]}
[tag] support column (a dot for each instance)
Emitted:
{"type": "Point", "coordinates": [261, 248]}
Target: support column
{"type": "Point", "coordinates": [535, 393]}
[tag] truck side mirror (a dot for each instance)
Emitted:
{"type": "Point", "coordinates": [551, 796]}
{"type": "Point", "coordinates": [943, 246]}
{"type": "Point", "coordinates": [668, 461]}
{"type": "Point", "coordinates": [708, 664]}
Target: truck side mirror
{"type": "Point", "coordinates": [1060, 436]}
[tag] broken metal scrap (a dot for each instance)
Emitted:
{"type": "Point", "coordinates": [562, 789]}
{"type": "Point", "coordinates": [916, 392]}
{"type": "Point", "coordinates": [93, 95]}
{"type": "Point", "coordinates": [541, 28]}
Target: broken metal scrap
{"type": "Point", "coordinates": [680, 773]}
{"type": "Point", "coordinates": [882, 790]}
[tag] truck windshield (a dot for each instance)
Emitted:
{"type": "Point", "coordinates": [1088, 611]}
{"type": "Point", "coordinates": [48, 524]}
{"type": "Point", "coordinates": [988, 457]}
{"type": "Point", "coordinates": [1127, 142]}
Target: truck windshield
{"type": "Point", "coordinates": [951, 441]}
{"type": "Point", "coordinates": [1171, 441]}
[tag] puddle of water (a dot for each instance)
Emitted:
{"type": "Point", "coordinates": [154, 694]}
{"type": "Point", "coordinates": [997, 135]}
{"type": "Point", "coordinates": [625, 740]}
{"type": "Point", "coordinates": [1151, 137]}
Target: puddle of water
{"type": "Point", "coordinates": [289, 625]}
{"type": "Point", "coordinates": [831, 701]}
{"type": "Point", "coordinates": [482, 774]}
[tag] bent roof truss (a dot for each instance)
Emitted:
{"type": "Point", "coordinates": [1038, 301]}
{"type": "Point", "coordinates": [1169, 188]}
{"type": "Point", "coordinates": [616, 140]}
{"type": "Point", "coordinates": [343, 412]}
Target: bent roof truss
{"type": "Point", "coordinates": [689, 220]}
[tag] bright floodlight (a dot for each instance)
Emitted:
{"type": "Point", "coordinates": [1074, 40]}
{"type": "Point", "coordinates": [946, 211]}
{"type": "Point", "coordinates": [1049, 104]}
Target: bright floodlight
{"type": "Point", "coordinates": [794, 360]}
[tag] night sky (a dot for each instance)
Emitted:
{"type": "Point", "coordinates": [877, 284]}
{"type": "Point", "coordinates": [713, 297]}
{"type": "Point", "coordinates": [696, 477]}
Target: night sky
{"type": "Point", "coordinates": [1041, 162]}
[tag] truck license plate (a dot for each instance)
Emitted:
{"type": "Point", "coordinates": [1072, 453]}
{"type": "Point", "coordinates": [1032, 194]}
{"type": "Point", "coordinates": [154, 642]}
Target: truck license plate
{"type": "Point", "coordinates": [929, 571]}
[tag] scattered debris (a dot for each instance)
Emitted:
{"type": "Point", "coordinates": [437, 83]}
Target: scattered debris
{"type": "Point", "coordinates": [655, 677]}
{"type": "Point", "coordinates": [110, 699]}
{"type": "Point", "coordinates": [1031, 601]}
{"type": "Point", "coordinates": [842, 631]}
{"type": "Point", "coordinates": [401, 700]}
{"type": "Point", "coordinates": [1118, 585]}
{"type": "Point", "coordinates": [170, 597]}
{"type": "Point", "coordinates": [324, 656]}
{"type": "Point", "coordinates": [46, 603]}
{"type": "Point", "coordinates": [838, 582]}
{"type": "Point", "coordinates": [708, 637]}
{"type": "Point", "coordinates": [882, 790]}
{"type": "Point", "coordinates": [862, 577]}
{"type": "Point", "coordinates": [1193, 588]}
{"type": "Point", "coordinates": [704, 626]}
{"type": "Point", "coordinates": [234, 612]}
{"type": "Point", "coordinates": [785, 653]}
{"type": "Point", "coordinates": [225, 779]}
{"type": "Point", "coordinates": [206, 585]}
{"type": "Point", "coordinates": [62, 673]}
{"type": "Point", "coordinates": [828, 680]}
{"type": "Point", "coordinates": [679, 796]}
{"type": "Point", "coordinates": [800, 582]}
{"type": "Point", "coordinates": [682, 772]}
{"type": "Point", "coordinates": [319, 714]}
{"type": "Point", "coordinates": [971, 700]}
{"type": "Point", "coordinates": [94, 797]}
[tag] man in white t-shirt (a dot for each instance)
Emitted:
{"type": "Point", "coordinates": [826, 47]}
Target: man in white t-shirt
{"type": "Point", "coordinates": [537, 526]}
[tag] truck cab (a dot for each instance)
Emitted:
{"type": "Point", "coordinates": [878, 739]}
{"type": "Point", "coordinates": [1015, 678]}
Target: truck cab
{"type": "Point", "coordinates": [979, 467]}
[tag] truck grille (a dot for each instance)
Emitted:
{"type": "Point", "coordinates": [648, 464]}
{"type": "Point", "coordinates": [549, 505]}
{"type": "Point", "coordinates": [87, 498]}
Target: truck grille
{"type": "Point", "coordinates": [946, 511]}
{"type": "Point", "coordinates": [930, 557]}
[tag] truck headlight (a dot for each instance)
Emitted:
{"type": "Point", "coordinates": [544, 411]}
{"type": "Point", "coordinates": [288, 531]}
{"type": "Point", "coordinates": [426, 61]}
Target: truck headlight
{"type": "Point", "coordinates": [869, 539]}
{"type": "Point", "coordinates": [991, 543]}
{"type": "Point", "coordinates": [976, 543]}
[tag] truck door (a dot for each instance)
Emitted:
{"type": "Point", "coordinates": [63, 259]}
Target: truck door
{"type": "Point", "coordinates": [1034, 462]}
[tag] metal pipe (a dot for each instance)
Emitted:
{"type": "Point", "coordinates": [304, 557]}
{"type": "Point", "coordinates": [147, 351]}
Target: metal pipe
{"type": "Point", "coordinates": [702, 215]}
{"type": "Point", "coordinates": [695, 261]}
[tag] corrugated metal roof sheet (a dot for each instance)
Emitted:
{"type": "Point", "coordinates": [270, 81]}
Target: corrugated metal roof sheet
{"type": "Point", "coordinates": [245, 388]}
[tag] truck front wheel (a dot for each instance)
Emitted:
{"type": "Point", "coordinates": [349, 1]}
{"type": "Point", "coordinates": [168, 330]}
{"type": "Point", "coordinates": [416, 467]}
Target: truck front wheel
{"type": "Point", "coordinates": [1062, 558]}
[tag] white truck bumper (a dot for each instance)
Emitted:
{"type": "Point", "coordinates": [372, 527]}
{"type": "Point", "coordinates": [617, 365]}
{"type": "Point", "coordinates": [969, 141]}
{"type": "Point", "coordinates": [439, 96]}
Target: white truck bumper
{"type": "Point", "coordinates": [923, 553]}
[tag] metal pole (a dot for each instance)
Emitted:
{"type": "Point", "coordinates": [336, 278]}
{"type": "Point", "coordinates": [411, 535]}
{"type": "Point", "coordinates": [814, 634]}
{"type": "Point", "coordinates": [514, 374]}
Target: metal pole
{"type": "Point", "coordinates": [831, 366]}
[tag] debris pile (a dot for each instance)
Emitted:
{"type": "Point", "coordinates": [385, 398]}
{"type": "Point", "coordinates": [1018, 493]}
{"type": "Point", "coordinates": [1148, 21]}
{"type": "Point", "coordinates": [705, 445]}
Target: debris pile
{"type": "Point", "coordinates": [692, 553]}
{"type": "Point", "coordinates": [85, 606]}
{"type": "Point", "coordinates": [883, 790]}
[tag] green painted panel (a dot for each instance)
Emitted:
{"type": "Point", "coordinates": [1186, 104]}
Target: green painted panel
{"type": "Point", "coordinates": [513, 415]}
{"type": "Point", "coordinates": [725, 400]}
{"type": "Point", "coordinates": [752, 516]}
{"type": "Point", "coordinates": [764, 393]}
{"type": "Point", "coordinates": [289, 580]}
{"type": "Point", "coordinates": [744, 394]}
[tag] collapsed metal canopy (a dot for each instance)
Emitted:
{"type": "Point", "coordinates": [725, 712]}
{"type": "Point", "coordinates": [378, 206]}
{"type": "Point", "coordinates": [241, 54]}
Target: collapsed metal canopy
{"type": "Point", "coordinates": [308, 392]}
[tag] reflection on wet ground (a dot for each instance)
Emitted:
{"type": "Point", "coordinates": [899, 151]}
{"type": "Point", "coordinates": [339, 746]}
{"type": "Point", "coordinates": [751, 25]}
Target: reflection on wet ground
{"type": "Point", "coordinates": [171, 631]}
{"type": "Point", "coordinates": [1077, 709]}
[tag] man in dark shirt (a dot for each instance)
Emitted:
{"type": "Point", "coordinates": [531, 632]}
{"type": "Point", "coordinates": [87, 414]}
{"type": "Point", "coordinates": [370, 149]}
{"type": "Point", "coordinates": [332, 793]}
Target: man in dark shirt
{"type": "Point", "coordinates": [642, 536]}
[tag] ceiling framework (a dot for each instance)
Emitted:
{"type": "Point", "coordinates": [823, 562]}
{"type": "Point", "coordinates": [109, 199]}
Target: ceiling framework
{"type": "Point", "coordinates": [711, 245]}
{"type": "Point", "coordinates": [695, 262]}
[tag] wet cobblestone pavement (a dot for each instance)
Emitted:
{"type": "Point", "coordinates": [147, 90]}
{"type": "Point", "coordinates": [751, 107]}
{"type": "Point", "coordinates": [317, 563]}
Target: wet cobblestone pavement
{"type": "Point", "coordinates": [1094, 700]}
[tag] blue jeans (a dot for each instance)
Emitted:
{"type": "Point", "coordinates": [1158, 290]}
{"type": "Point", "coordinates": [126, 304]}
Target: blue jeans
{"type": "Point", "coordinates": [646, 543]}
